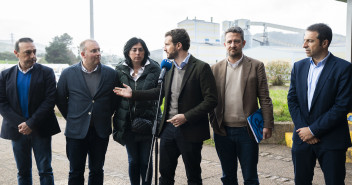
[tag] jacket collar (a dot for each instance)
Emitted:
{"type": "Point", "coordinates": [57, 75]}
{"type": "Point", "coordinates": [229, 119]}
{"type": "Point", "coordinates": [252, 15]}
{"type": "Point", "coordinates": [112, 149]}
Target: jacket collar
{"type": "Point", "coordinates": [189, 69]}
{"type": "Point", "coordinates": [246, 68]}
{"type": "Point", "coordinates": [329, 65]}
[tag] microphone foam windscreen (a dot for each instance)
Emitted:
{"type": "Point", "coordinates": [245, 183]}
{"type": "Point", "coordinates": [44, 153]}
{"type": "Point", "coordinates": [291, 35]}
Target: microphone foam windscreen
{"type": "Point", "coordinates": [166, 63]}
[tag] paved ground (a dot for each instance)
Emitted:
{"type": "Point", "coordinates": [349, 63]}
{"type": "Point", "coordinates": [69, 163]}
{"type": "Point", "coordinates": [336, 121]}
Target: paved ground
{"type": "Point", "coordinates": [275, 165]}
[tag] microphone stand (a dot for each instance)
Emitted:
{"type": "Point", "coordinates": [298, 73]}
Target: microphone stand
{"type": "Point", "coordinates": [154, 141]}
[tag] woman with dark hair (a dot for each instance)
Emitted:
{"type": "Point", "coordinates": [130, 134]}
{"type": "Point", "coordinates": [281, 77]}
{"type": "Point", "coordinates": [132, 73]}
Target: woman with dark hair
{"type": "Point", "coordinates": [140, 73]}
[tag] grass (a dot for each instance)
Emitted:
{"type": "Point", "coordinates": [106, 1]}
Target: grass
{"type": "Point", "coordinates": [281, 113]}
{"type": "Point", "coordinates": [209, 142]}
{"type": "Point", "coordinates": [8, 62]}
{"type": "Point", "coordinates": [279, 98]}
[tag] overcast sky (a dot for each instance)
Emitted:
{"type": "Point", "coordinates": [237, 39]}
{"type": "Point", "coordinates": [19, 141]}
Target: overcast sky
{"type": "Point", "coordinates": [116, 21]}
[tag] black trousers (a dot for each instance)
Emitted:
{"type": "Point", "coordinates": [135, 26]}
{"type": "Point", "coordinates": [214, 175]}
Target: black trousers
{"type": "Point", "coordinates": [332, 163]}
{"type": "Point", "coordinates": [172, 145]}
{"type": "Point", "coordinates": [77, 151]}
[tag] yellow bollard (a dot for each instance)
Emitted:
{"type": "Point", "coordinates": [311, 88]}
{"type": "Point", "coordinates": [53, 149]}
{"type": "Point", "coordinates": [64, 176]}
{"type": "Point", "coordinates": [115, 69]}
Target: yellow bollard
{"type": "Point", "coordinates": [288, 139]}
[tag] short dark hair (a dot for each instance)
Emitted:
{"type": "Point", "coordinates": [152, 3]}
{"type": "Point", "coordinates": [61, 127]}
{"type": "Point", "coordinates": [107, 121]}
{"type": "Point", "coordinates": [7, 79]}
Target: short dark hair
{"type": "Point", "coordinates": [235, 29]}
{"type": "Point", "coordinates": [129, 44]}
{"type": "Point", "coordinates": [24, 39]}
{"type": "Point", "coordinates": [324, 32]}
{"type": "Point", "coordinates": [179, 35]}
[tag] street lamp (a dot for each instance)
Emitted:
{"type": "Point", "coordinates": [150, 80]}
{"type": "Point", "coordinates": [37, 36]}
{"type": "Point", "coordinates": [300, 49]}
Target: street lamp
{"type": "Point", "coordinates": [91, 20]}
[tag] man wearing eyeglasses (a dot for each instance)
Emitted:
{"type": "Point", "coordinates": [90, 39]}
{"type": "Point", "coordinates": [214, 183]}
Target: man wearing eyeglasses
{"type": "Point", "coordinates": [87, 102]}
{"type": "Point", "coordinates": [27, 100]}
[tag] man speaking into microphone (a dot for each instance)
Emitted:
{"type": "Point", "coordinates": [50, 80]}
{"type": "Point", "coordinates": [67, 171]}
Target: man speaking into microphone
{"type": "Point", "coordinates": [190, 94]}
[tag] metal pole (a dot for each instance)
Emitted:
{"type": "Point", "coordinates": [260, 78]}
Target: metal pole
{"type": "Point", "coordinates": [156, 161]}
{"type": "Point", "coordinates": [154, 142]}
{"type": "Point", "coordinates": [91, 20]}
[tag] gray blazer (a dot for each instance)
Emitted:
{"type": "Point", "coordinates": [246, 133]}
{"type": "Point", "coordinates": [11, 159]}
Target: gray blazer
{"type": "Point", "coordinates": [79, 108]}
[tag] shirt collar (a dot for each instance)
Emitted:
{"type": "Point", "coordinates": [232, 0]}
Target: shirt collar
{"type": "Point", "coordinates": [140, 71]}
{"type": "Point", "coordinates": [236, 64]}
{"type": "Point", "coordinates": [183, 63]}
{"type": "Point", "coordinates": [147, 63]}
{"type": "Point", "coordinates": [321, 63]}
{"type": "Point", "coordinates": [24, 72]}
{"type": "Point", "coordinates": [86, 71]}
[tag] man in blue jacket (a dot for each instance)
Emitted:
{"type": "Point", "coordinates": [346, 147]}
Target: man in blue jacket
{"type": "Point", "coordinates": [319, 99]}
{"type": "Point", "coordinates": [27, 100]}
{"type": "Point", "coordinates": [87, 102]}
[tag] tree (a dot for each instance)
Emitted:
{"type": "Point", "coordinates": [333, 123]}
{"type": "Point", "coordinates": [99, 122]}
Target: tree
{"type": "Point", "coordinates": [7, 56]}
{"type": "Point", "coordinates": [278, 72]}
{"type": "Point", "coordinates": [59, 51]}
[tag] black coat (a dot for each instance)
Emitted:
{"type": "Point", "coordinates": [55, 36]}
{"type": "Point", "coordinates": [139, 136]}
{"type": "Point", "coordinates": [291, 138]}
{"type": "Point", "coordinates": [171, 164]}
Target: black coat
{"type": "Point", "coordinates": [41, 102]}
{"type": "Point", "coordinates": [198, 96]}
{"type": "Point", "coordinates": [128, 109]}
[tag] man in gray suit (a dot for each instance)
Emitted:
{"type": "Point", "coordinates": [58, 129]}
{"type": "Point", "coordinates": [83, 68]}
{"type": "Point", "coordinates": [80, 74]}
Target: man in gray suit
{"type": "Point", "coordinates": [87, 102]}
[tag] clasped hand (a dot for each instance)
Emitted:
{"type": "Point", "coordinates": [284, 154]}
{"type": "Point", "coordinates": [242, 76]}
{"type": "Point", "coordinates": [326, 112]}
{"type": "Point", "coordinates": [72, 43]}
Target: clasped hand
{"type": "Point", "coordinates": [24, 129]}
{"type": "Point", "coordinates": [306, 135]}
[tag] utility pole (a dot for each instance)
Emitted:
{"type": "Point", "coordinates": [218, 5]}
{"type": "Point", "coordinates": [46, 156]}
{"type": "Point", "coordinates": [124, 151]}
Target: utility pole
{"type": "Point", "coordinates": [12, 39]}
{"type": "Point", "coordinates": [349, 31]}
{"type": "Point", "coordinates": [91, 20]}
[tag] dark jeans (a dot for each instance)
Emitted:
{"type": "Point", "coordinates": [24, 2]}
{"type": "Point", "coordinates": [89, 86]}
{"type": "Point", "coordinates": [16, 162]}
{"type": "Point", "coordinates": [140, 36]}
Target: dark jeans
{"type": "Point", "coordinates": [237, 144]}
{"type": "Point", "coordinates": [77, 150]}
{"type": "Point", "coordinates": [332, 163]}
{"type": "Point", "coordinates": [138, 158]}
{"type": "Point", "coordinates": [22, 149]}
{"type": "Point", "coordinates": [171, 147]}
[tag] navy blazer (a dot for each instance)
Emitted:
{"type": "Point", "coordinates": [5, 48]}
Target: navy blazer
{"type": "Point", "coordinates": [330, 104]}
{"type": "Point", "coordinates": [80, 108]}
{"type": "Point", "coordinates": [42, 119]}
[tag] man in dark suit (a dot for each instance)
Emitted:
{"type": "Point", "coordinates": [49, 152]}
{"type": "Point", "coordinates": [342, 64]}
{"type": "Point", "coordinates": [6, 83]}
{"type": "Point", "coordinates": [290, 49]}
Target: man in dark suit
{"type": "Point", "coordinates": [190, 94]}
{"type": "Point", "coordinates": [319, 99]}
{"type": "Point", "coordinates": [27, 100]}
{"type": "Point", "coordinates": [240, 82]}
{"type": "Point", "coordinates": [87, 102]}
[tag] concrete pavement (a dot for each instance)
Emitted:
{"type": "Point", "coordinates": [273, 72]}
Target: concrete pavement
{"type": "Point", "coordinates": [275, 165]}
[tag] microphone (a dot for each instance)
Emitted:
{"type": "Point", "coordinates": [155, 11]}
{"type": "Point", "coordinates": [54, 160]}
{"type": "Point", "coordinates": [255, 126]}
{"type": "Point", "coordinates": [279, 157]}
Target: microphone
{"type": "Point", "coordinates": [165, 66]}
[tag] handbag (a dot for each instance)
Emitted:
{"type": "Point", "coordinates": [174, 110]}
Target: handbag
{"type": "Point", "coordinates": [142, 126]}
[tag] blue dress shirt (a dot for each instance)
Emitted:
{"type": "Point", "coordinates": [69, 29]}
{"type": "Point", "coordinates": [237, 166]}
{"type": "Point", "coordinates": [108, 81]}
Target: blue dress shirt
{"type": "Point", "coordinates": [184, 62]}
{"type": "Point", "coordinates": [313, 78]}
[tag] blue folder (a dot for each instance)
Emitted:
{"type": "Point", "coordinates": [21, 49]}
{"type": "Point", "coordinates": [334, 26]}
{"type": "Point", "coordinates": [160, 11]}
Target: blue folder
{"type": "Point", "coordinates": [256, 123]}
